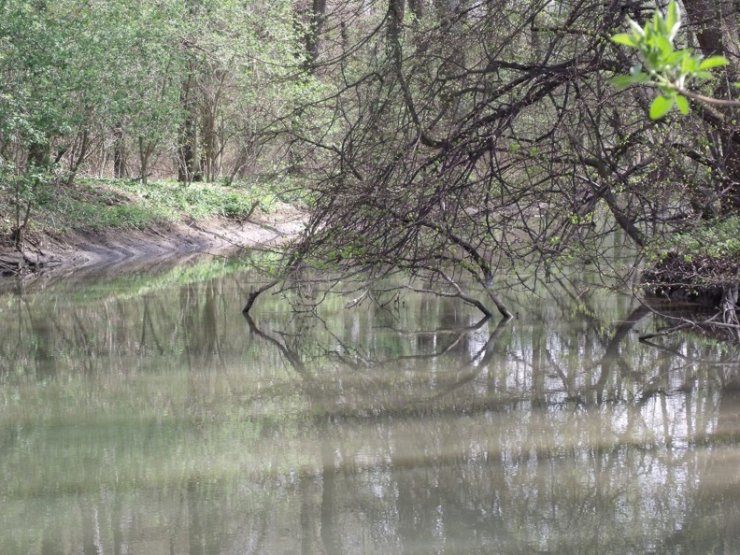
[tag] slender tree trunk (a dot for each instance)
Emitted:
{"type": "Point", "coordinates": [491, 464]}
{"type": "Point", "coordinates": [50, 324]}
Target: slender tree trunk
{"type": "Point", "coordinates": [396, 12]}
{"type": "Point", "coordinates": [210, 102]}
{"type": "Point", "coordinates": [416, 7]}
{"type": "Point", "coordinates": [188, 134]}
{"type": "Point", "coordinates": [187, 151]}
{"type": "Point", "coordinates": [316, 19]}
{"type": "Point", "coordinates": [77, 162]}
{"type": "Point", "coordinates": [119, 152]}
{"type": "Point", "coordinates": [144, 154]}
{"type": "Point", "coordinates": [311, 42]}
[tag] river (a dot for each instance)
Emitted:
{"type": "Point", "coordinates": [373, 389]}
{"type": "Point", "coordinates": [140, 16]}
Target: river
{"type": "Point", "coordinates": [143, 414]}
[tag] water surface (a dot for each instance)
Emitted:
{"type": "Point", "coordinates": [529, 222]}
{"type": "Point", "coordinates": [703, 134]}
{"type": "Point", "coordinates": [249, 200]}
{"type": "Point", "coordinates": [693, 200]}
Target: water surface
{"type": "Point", "coordinates": [147, 415]}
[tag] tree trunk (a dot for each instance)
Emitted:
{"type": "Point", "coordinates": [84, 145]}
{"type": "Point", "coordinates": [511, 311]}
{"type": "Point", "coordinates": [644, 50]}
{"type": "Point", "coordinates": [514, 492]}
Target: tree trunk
{"type": "Point", "coordinates": [396, 11]}
{"type": "Point", "coordinates": [416, 7]}
{"type": "Point", "coordinates": [187, 148]}
{"type": "Point", "coordinates": [312, 35]}
{"type": "Point", "coordinates": [119, 153]}
{"type": "Point", "coordinates": [76, 162]}
{"type": "Point", "coordinates": [210, 101]}
{"type": "Point", "coordinates": [144, 155]}
{"type": "Point", "coordinates": [188, 134]}
{"type": "Point", "coordinates": [318, 16]}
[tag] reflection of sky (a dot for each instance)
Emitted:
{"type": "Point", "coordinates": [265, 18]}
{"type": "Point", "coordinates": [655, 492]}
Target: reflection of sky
{"type": "Point", "coordinates": [478, 340]}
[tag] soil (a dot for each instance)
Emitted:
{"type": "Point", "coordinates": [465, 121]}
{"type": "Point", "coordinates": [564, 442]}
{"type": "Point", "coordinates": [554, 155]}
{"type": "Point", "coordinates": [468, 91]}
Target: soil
{"type": "Point", "coordinates": [125, 250]}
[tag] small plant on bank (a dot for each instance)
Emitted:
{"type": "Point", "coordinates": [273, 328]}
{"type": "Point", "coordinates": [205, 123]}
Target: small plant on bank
{"type": "Point", "coordinates": [21, 195]}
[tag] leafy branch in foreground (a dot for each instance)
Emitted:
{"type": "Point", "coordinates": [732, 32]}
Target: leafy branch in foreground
{"type": "Point", "coordinates": [666, 68]}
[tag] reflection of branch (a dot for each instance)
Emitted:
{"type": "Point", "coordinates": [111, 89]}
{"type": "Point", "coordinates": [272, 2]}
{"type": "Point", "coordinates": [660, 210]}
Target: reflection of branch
{"type": "Point", "coordinates": [354, 302]}
{"type": "Point", "coordinates": [431, 355]}
{"type": "Point", "coordinates": [711, 324]}
{"type": "Point", "coordinates": [612, 348]}
{"type": "Point", "coordinates": [292, 357]}
{"type": "Point", "coordinates": [488, 351]}
{"type": "Point", "coordinates": [148, 318]}
{"type": "Point", "coordinates": [291, 266]}
{"type": "Point", "coordinates": [668, 331]}
{"type": "Point", "coordinates": [674, 352]}
{"type": "Point", "coordinates": [437, 331]}
{"type": "Point", "coordinates": [624, 327]}
{"type": "Point", "coordinates": [256, 293]}
{"type": "Point", "coordinates": [459, 295]}
{"type": "Point", "coordinates": [477, 362]}
{"type": "Point", "coordinates": [560, 373]}
{"type": "Point", "coordinates": [336, 353]}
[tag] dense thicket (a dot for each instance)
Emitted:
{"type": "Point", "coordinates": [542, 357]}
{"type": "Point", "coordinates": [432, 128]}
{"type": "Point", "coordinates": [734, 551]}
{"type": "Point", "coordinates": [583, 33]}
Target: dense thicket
{"type": "Point", "coordinates": [479, 134]}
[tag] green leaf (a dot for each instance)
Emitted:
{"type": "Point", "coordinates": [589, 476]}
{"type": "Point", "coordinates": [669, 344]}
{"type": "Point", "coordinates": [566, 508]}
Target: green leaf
{"type": "Point", "coordinates": [682, 103]}
{"type": "Point", "coordinates": [624, 39]}
{"type": "Point", "coordinates": [659, 24]}
{"type": "Point", "coordinates": [636, 29]}
{"type": "Point", "coordinates": [636, 78]}
{"type": "Point", "coordinates": [665, 46]}
{"type": "Point", "coordinates": [674, 58]}
{"type": "Point", "coordinates": [689, 63]}
{"type": "Point", "coordinates": [713, 61]}
{"type": "Point", "coordinates": [672, 20]}
{"type": "Point", "coordinates": [660, 107]}
{"type": "Point", "coordinates": [622, 81]}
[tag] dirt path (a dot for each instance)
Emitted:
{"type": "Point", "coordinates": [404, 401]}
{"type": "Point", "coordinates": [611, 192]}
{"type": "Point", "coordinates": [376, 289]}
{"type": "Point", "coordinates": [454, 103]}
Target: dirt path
{"type": "Point", "coordinates": [126, 250]}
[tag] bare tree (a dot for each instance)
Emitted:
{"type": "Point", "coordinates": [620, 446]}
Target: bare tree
{"type": "Point", "coordinates": [499, 144]}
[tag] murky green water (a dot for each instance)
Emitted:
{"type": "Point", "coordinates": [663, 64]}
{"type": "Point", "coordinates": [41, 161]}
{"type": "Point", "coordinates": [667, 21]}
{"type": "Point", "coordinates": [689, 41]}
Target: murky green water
{"type": "Point", "coordinates": [146, 415]}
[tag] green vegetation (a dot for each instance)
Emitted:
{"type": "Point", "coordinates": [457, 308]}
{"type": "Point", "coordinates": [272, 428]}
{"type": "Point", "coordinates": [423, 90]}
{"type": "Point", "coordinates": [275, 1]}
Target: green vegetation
{"type": "Point", "coordinates": [701, 260]}
{"type": "Point", "coordinates": [717, 239]}
{"type": "Point", "coordinates": [94, 204]}
{"type": "Point", "coordinates": [132, 286]}
{"type": "Point", "coordinates": [672, 71]}
{"type": "Point", "coordinates": [707, 256]}
{"type": "Point", "coordinates": [140, 91]}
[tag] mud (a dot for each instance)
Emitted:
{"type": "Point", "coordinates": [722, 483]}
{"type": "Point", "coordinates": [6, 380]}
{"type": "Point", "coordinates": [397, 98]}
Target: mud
{"type": "Point", "coordinates": [113, 251]}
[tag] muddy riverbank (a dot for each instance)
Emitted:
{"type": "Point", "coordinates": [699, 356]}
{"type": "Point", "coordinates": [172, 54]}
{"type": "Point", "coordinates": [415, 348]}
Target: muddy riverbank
{"type": "Point", "coordinates": [126, 249]}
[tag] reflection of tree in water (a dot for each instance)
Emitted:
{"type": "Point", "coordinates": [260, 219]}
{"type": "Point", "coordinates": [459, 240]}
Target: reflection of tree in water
{"type": "Point", "coordinates": [413, 427]}
{"type": "Point", "coordinates": [54, 340]}
{"type": "Point", "coordinates": [199, 309]}
{"type": "Point", "coordinates": [574, 438]}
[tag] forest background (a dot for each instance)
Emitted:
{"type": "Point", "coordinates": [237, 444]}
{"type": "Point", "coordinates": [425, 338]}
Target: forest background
{"type": "Point", "coordinates": [454, 140]}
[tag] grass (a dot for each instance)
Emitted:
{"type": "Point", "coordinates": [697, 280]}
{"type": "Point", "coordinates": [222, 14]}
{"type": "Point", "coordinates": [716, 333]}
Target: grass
{"type": "Point", "coordinates": [96, 204]}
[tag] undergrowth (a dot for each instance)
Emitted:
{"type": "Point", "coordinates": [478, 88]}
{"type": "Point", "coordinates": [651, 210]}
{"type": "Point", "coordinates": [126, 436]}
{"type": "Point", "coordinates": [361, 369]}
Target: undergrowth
{"type": "Point", "coordinates": [95, 204]}
{"type": "Point", "coordinates": [706, 256]}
